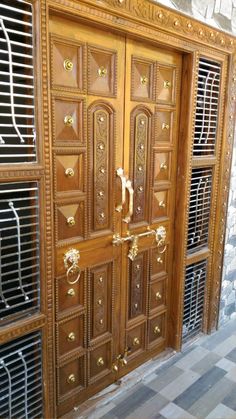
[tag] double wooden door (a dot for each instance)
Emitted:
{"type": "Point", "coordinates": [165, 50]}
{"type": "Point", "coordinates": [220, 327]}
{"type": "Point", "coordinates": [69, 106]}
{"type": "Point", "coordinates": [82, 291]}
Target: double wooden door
{"type": "Point", "coordinates": [114, 107]}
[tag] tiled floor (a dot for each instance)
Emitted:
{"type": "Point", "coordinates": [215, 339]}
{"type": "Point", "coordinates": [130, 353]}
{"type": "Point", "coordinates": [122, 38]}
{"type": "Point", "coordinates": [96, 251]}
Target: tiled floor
{"type": "Point", "coordinates": [200, 382]}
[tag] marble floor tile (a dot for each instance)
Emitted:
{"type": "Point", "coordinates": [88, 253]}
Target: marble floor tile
{"type": "Point", "coordinates": [172, 411]}
{"type": "Point", "coordinates": [221, 412]}
{"type": "Point", "coordinates": [179, 385]}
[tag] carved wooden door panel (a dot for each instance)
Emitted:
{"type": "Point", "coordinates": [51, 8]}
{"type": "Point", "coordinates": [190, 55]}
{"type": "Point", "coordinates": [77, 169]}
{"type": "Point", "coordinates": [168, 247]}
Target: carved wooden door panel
{"type": "Point", "coordinates": [87, 95]}
{"type": "Point", "coordinates": [151, 125]}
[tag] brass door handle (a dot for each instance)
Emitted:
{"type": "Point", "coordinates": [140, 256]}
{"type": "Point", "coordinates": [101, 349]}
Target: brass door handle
{"type": "Point", "coordinates": [71, 260]}
{"type": "Point", "coordinates": [120, 173]}
{"type": "Point", "coordinates": [128, 216]}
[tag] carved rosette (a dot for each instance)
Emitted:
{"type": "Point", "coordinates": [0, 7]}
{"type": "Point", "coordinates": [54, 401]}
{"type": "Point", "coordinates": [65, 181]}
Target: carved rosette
{"type": "Point", "coordinates": [140, 152]}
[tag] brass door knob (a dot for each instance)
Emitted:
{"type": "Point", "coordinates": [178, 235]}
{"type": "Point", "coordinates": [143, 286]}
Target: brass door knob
{"type": "Point", "coordinates": [68, 65]}
{"type": "Point", "coordinates": [100, 362]}
{"type": "Point", "coordinates": [68, 120]}
{"type": "Point", "coordinates": [167, 84]}
{"type": "Point", "coordinates": [156, 330]}
{"type": "Point", "coordinates": [136, 341]}
{"type": "Point", "coordinates": [70, 221]}
{"type": "Point", "coordinates": [69, 172]}
{"type": "Point", "coordinates": [158, 295]}
{"type": "Point", "coordinates": [71, 379]}
{"type": "Point", "coordinates": [71, 292]}
{"type": "Point", "coordinates": [71, 337]}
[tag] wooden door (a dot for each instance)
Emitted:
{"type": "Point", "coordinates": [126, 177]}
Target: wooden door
{"type": "Point", "coordinates": [152, 99]}
{"type": "Point", "coordinates": [87, 96]}
{"type": "Point", "coordinates": [114, 105]}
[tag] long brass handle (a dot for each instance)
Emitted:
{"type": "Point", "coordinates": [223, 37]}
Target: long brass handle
{"type": "Point", "coordinates": [128, 216]}
{"type": "Point", "coordinates": [71, 260]}
{"type": "Point", "coordinates": [120, 173]}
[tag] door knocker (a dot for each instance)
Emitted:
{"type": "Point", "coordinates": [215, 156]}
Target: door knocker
{"type": "Point", "coordinates": [71, 260]}
{"type": "Point", "coordinates": [161, 239]}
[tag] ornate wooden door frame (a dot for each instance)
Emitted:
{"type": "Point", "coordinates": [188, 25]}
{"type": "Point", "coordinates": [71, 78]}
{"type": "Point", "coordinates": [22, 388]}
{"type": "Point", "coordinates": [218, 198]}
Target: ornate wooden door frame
{"type": "Point", "coordinates": [162, 27]}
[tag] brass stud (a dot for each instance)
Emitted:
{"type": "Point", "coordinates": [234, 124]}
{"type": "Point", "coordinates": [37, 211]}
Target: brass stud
{"type": "Point", "coordinates": [68, 65]}
{"type": "Point", "coordinates": [144, 80]}
{"type": "Point", "coordinates": [234, 79]}
{"type": "Point", "coordinates": [165, 126]}
{"type": "Point", "coordinates": [189, 25]}
{"type": "Point", "coordinates": [160, 15]}
{"type": "Point", "coordinates": [138, 267]}
{"type": "Point", "coordinates": [159, 260]}
{"type": "Point", "coordinates": [156, 330]}
{"type": "Point", "coordinates": [101, 279]}
{"type": "Point", "coordinates": [201, 32]}
{"type": "Point", "coordinates": [222, 41]}
{"type": "Point", "coordinates": [231, 42]}
{"type": "Point", "coordinates": [212, 34]}
{"type": "Point", "coordinates": [71, 292]}
{"type": "Point", "coordinates": [68, 120]}
{"type": "Point", "coordinates": [158, 295]}
{"type": "Point", "coordinates": [138, 286]}
{"type": "Point", "coordinates": [136, 341]}
{"type": "Point", "coordinates": [101, 193]}
{"type": "Point", "coordinates": [101, 321]}
{"type": "Point", "coordinates": [167, 84]}
{"type": "Point", "coordinates": [70, 221]}
{"type": "Point", "coordinates": [71, 379]}
{"type": "Point", "coordinates": [142, 122]}
{"type": "Point", "coordinates": [176, 23]}
{"type": "Point", "coordinates": [101, 146]}
{"type": "Point", "coordinates": [140, 189]}
{"type": "Point", "coordinates": [101, 119]}
{"type": "Point", "coordinates": [140, 168]}
{"type": "Point", "coordinates": [102, 170]}
{"type": "Point", "coordinates": [102, 72]}
{"type": "Point", "coordinates": [163, 166]}
{"type": "Point", "coordinates": [100, 362]}
{"type": "Point", "coordinates": [69, 172]}
{"type": "Point", "coordinates": [162, 204]}
{"type": "Point", "coordinates": [120, 1]}
{"type": "Point", "coordinates": [141, 146]}
{"type": "Point", "coordinates": [138, 210]}
{"type": "Point", "coordinates": [136, 305]}
{"type": "Point", "coordinates": [99, 302]}
{"type": "Point", "coordinates": [71, 337]}
{"type": "Point", "coordinates": [102, 215]}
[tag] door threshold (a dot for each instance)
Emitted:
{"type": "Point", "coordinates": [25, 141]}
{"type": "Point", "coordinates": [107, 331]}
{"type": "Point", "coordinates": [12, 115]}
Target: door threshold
{"type": "Point", "coordinates": [143, 373]}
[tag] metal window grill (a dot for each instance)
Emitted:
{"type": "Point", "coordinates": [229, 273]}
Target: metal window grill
{"type": "Point", "coordinates": [207, 107]}
{"type": "Point", "coordinates": [19, 249]}
{"type": "Point", "coordinates": [21, 378]}
{"type": "Point", "coordinates": [199, 210]}
{"type": "Point", "coordinates": [195, 280]}
{"type": "Point", "coordinates": [17, 120]}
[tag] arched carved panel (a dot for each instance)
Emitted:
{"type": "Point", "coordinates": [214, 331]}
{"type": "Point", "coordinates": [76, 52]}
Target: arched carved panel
{"type": "Point", "coordinates": [101, 143]}
{"type": "Point", "coordinates": [141, 134]}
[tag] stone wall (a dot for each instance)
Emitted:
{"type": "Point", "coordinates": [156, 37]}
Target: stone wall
{"type": "Point", "coordinates": [217, 13]}
{"type": "Point", "coordinates": [221, 14]}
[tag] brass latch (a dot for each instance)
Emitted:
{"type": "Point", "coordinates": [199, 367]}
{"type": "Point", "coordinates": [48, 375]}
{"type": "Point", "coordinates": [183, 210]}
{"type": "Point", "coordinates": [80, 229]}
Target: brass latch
{"type": "Point", "coordinates": [160, 238]}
